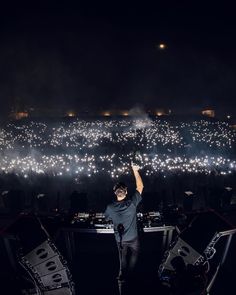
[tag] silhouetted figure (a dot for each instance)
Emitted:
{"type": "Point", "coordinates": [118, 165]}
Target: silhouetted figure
{"type": "Point", "coordinates": [187, 279]}
{"type": "Point", "coordinates": [188, 201]}
{"type": "Point", "coordinates": [226, 197]}
{"type": "Point", "coordinates": [41, 203]}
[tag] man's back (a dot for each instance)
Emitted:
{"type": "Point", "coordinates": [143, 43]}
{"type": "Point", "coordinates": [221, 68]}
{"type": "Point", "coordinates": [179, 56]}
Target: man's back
{"type": "Point", "coordinates": [124, 212]}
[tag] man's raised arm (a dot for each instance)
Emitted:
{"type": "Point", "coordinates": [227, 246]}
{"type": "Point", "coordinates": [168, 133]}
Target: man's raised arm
{"type": "Point", "coordinates": [138, 179]}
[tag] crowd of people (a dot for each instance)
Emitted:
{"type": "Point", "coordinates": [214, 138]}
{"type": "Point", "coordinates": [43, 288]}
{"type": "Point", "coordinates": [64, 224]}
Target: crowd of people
{"type": "Point", "coordinates": [88, 147]}
{"type": "Point", "coordinates": [82, 152]}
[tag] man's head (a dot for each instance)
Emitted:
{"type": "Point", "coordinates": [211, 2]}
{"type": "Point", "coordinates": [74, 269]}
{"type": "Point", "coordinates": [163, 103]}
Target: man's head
{"type": "Point", "coordinates": [120, 190]}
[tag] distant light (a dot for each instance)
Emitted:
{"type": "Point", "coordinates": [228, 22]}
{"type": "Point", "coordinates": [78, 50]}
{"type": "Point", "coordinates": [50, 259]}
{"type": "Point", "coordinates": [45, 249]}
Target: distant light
{"type": "Point", "coordinates": [159, 114]}
{"type": "Point", "coordinates": [228, 117]}
{"type": "Point", "coordinates": [107, 114]}
{"type": "Point", "coordinates": [20, 115]}
{"type": "Point", "coordinates": [70, 114]}
{"type": "Point", "coordinates": [125, 114]}
{"type": "Point", "coordinates": [208, 113]}
{"type": "Point", "coordinates": [162, 46]}
{"type": "Point", "coordinates": [162, 112]}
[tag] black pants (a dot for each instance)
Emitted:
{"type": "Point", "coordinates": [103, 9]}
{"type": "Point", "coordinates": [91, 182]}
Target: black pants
{"type": "Point", "coordinates": [128, 256]}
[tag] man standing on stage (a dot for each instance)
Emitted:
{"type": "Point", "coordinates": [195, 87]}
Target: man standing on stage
{"type": "Point", "coordinates": [123, 214]}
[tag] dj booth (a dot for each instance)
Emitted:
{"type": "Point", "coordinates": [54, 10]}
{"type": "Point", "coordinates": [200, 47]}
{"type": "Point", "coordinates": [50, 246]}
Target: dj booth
{"type": "Point", "coordinates": [86, 223]}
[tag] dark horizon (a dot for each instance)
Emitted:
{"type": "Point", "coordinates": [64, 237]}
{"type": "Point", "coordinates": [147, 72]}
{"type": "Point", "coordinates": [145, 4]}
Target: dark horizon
{"type": "Point", "coordinates": [94, 57]}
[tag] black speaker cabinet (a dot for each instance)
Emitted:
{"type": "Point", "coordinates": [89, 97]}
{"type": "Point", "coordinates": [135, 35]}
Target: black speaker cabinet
{"type": "Point", "coordinates": [196, 244]}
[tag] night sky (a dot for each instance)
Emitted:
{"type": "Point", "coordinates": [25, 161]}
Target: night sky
{"type": "Point", "coordinates": [99, 56]}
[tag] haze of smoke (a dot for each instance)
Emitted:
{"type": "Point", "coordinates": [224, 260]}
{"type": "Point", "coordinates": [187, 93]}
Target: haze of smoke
{"type": "Point", "coordinates": [140, 118]}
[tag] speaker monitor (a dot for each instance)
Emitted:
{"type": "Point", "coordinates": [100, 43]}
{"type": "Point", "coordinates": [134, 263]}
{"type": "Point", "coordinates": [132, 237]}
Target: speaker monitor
{"type": "Point", "coordinates": [49, 266]}
{"type": "Point", "coordinates": [181, 248]}
{"type": "Point", "coordinates": [196, 244]}
{"type": "Point", "coordinates": [40, 257]}
{"type": "Point", "coordinates": [45, 261]}
{"type": "Point", "coordinates": [40, 254]}
{"type": "Point", "coordinates": [55, 279]}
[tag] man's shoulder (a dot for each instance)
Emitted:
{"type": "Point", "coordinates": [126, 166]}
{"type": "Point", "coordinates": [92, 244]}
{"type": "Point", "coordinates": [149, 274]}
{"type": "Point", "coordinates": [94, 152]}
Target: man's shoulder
{"type": "Point", "coordinates": [137, 193]}
{"type": "Point", "coordinates": [112, 205]}
{"type": "Point", "coordinates": [109, 206]}
{"type": "Point", "coordinates": [136, 198]}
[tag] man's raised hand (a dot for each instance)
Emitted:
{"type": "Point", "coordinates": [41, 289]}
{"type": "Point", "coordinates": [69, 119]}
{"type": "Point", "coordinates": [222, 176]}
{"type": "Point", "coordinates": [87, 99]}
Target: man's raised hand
{"type": "Point", "coordinates": [135, 167]}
